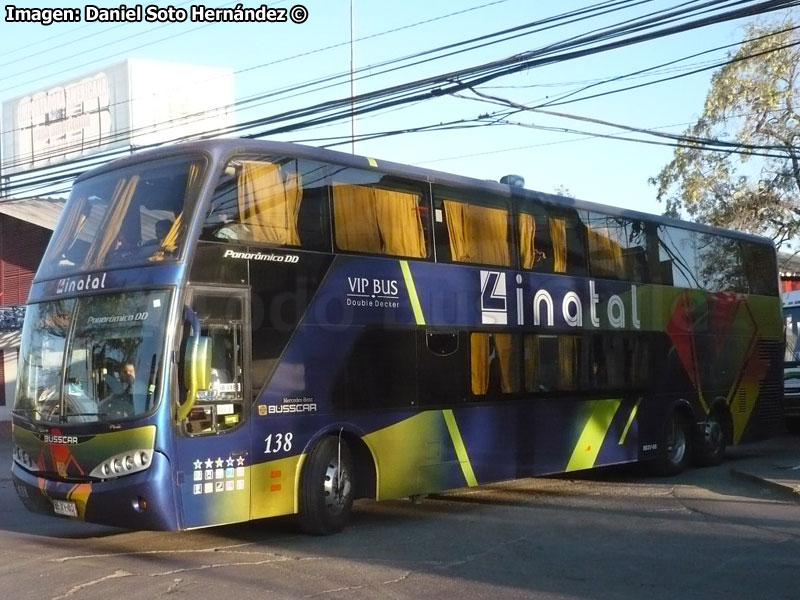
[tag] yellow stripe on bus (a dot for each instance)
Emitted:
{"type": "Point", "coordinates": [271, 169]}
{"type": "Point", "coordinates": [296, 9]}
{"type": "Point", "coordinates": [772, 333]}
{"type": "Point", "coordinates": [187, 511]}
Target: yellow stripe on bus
{"type": "Point", "coordinates": [412, 293]}
{"type": "Point", "coordinates": [629, 423]}
{"type": "Point", "coordinates": [594, 432]}
{"type": "Point", "coordinates": [458, 444]}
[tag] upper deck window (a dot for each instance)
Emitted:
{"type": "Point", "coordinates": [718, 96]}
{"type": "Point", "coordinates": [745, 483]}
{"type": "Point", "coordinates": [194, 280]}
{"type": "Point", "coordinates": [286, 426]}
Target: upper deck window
{"type": "Point", "coordinates": [719, 264]}
{"type": "Point", "coordinates": [760, 268]}
{"type": "Point", "coordinates": [550, 239]}
{"type": "Point", "coordinates": [135, 215]}
{"type": "Point", "coordinates": [476, 228]}
{"type": "Point", "coordinates": [378, 214]}
{"type": "Point", "coordinates": [617, 247]}
{"type": "Point", "coordinates": [272, 200]}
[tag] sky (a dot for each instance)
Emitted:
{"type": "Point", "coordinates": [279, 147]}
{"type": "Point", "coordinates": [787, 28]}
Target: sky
{"type": "Point", "coordinates": [264, 58]}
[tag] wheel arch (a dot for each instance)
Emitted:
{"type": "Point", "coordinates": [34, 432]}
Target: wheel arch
{"type": "Point", "coordinates": [684, 408]}
{"type": "Point", "coordinates": [364, 462]}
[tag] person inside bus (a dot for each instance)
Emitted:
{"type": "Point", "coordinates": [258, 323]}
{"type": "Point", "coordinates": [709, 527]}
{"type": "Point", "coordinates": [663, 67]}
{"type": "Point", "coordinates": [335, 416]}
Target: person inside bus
{"type": "Point", "coordinates": [127, 376]}
{"type": "Point", "coordinates": [162, 228]}
{"type": "Point", "coordinates": [231, 229]}
{"type": "Point", "coordinates": [121, 399]}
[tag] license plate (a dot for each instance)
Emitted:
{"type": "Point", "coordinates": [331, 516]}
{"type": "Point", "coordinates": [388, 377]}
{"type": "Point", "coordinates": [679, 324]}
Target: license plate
{"type": "Point", "coordinates": [65, 507]}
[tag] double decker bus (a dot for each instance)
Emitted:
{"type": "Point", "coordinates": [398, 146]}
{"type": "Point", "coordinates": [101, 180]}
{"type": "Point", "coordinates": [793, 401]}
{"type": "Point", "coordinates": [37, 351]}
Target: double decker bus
{"type": "Point", "coordinates": [231, 330]}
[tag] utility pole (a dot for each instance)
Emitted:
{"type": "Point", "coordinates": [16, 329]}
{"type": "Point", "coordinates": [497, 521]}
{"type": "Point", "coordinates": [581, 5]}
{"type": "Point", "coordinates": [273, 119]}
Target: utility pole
{"type": "Point", "coordinates": [352, 86]}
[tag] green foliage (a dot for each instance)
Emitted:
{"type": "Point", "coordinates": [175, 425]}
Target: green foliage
{"type": "Point", "coordinates": [750, 101]}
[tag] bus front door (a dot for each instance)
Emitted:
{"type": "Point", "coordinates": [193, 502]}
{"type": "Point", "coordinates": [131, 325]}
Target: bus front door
{"type": "Point", "coordinates": [213, 439]}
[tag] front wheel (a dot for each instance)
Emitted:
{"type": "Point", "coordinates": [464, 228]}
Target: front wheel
{"type": "Point", "coordinates": [678, 443]}
{"type": "Point", "coordinates": [326, 488]}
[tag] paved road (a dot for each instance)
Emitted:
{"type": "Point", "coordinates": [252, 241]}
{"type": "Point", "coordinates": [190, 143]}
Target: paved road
{"type": "Point", "coordinates": [616, 534]}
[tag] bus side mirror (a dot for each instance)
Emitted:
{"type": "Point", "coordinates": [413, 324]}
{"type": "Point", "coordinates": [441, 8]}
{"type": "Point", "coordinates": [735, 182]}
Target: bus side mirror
{"type": "Point", "coordinates": [196, 365]}
{"type": "Point", "coordinates": [196, 372]}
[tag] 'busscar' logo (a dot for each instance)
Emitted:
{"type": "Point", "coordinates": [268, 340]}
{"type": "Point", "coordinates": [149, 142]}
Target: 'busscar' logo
{"type": "Point", "coordinates": [59, 439]}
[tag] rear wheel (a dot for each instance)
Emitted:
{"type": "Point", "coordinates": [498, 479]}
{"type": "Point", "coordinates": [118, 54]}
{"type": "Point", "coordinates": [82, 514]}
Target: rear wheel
{"type": "Point", "coordinates": [677, 443]}
{"type": "Point", "coordinates": [711, 441]}
{"type": "Point", "coordinates": [326, 488]}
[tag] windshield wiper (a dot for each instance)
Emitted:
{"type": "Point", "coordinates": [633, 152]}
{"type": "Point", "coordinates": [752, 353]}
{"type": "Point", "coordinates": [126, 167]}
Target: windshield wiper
{"type": "Point", "coordinates": [89, 414]}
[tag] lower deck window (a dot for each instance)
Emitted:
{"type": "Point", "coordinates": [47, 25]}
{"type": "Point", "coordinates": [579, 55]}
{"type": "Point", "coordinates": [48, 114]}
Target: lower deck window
{"type": "Point", "coordinates": [553, 362]}
{"type": "Point", "coordinates": [494, 362]}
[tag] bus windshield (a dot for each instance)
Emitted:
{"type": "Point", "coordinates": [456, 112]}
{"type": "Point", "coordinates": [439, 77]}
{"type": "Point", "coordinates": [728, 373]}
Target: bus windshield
{"type": "Point", "coordinates": [109, 348]}
{"type": "Point", "coordinates": [134, 215]}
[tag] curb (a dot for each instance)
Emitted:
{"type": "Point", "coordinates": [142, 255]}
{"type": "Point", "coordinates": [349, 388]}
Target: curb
{"type": "Point", "coordinates": [790, 489]}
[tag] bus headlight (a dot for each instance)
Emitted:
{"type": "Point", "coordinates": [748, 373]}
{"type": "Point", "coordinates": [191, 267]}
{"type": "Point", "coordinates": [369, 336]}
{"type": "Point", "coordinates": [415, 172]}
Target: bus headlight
{"type": "Point", "coordinates": [24, 459]}
{"type": "Point", "coordinates": [126, 463]}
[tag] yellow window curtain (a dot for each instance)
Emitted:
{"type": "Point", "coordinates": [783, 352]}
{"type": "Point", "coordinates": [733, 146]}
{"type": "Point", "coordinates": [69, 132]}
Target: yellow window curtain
{"type": "Point", "coordinates": [355, 219]}
{"type": "Point", "coordinates": [399, 223]}
{"type": "Point", "coordinates": [530, 349]}
{"type": "Point", "coordinates": [457, 229]}
{"type": "Point", "coordinates": [527, 248]}
{"type": "Point", "coordinates": [479, 343]}
{"type": "Point", "coordinates": [269, 203]}
{"type": "Point", "coordinates": [477, 234]}
{"type": "Point", "coordinates": [490, 234]}
{"type": "Point", "coordinates": [71, 228]}
{"type": "Point", "coordinates": [504, 347]}
{"type": "Point", "coordinates": [170, 242]}
{"type": "Point", "coordinates": [558, 238]}
{"type": "Point", "coordinates": [487, 347]}
{"type": "Point", "coordinates": [567, 362]}
{"type": "Point", "coordinates": [605, 254]}
{"type": "Point", "coordinates": [369, 219]}
{"type": "Point", "coordinates": [118, 208]}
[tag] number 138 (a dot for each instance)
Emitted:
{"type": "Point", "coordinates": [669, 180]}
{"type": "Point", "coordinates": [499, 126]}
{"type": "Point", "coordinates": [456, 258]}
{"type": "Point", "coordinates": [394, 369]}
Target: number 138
{"type": "Point", "coordinates": [278, 442]}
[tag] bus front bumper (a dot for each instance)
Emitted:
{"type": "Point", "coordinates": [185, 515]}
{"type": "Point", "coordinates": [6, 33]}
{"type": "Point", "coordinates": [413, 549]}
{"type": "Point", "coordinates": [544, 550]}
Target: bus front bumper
{"type": "Point", "coordinates": [143, 500]}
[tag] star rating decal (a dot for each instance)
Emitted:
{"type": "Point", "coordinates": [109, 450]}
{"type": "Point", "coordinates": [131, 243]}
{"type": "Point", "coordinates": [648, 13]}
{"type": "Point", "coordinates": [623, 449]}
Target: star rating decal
{"type": "Point", "coordinates": [219, 479]}
{"type": "Point", "coordinates": [211, 463]}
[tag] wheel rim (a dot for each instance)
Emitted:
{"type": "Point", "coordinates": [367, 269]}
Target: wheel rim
{"type": "Point", "coordinates": [676, 442]}
{"type": "Point", "coordinates": [714, 436]}
{"type": "Point", "coordinates": [336, 487]}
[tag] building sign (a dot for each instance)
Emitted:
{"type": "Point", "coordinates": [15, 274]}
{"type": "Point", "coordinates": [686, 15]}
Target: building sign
{"type": "Point", "coordinates": [64, 120]}
{"type": "Point", "coordinates": [130, 104]}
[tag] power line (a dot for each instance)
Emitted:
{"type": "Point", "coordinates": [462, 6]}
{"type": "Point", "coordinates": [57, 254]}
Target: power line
{"type": "Point", "coordinates": [287, 58]}
{"type": "Point", "coordinates": [107, 56]}
{"type": "Point", "coordinates": [641, 72]}
{"type": "Point", "coordinates": [465, 78]}
{"type": "Point", "coordinates": [61, 46]}
{"type": "Point", "coordinates": [567, 18]}
{"type": "Point", "coordinates": [699, 141]}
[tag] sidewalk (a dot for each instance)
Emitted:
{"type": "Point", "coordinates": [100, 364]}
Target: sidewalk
{"type": "Point", "coordinates": [774, 463]}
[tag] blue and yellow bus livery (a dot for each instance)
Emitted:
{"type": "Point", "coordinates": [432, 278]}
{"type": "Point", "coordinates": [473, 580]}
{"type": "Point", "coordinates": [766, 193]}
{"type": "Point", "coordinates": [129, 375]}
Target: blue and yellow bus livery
{"type": "Point", "coordinates": [231, 330]}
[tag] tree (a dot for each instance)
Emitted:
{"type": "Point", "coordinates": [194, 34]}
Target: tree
{"type": "Point", "coordinates": [563, 190]}
{"type": "Point", "coordinates": [751, 102]}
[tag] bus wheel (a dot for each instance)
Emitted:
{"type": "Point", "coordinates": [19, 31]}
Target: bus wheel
{"type": "Point", "coordinates": [677, 441]}
{"type": "Point", "coordinates": [710, 447]}
{"type": "Point", "coordinates": [326, 489]}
